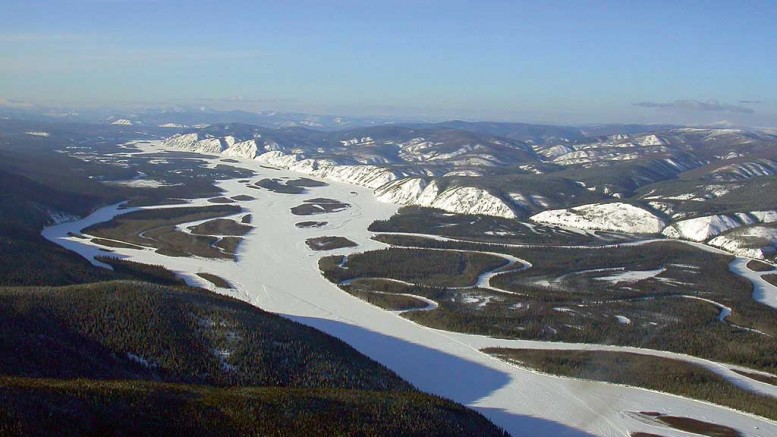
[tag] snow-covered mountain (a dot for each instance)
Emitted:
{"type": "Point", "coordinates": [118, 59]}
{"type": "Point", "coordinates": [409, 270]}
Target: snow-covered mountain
{"type": "Point", "coordinates": [617, 216]}
{"type": "Point", "coordinates": [365, 175]}
{"type": "Point", "coordinates": [456, 199]}
{"type": "Point", "coordinates": [392, 184]}
{"type": "Point", "coordinates": [619, 147]}
{"type": "Point", "coordinates": [635, 179]}
{"type": "Point", "coordinates": [704, 228]}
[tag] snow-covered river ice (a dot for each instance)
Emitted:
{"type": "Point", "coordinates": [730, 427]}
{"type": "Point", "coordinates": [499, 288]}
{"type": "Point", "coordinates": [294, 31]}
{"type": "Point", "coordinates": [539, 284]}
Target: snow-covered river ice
{"type": "Point", "coordinates": [277, 272]}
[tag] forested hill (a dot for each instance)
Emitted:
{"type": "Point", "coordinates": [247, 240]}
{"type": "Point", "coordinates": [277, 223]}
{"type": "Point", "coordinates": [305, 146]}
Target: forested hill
{"type": "Point", "coordinates": [105, 354]}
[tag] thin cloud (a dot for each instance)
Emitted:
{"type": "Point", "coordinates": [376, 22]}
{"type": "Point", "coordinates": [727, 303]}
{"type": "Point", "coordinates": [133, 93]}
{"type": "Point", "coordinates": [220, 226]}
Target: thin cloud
{"type": "Point", "coordinates": [751, 102]}
{"type": "Point", "coordinates": [698, 105]}
{"type": "Point", "coordinates": [15, 104]}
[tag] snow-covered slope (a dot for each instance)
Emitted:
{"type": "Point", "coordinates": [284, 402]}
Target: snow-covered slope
{"type": "Point", "coordinates": [463, 171]}
{"type": "Point", "coordinates": [555, 151]}
{"type": "Point", "coordinates": [122, 122]}
{"type": "Point", "coordinates": [745, 170]}
{"type": "Point", "coordinates": [394, 187]}
{"type": "Point", "coordinates": [704, 228]}
{"type": "Point", "coordinates": [620, 217]}
{"type": "Point", "coordinates": [619, 147]}
{"type": "Point", "coordinates": [227, 145]}
{"type": "Point", "coordinates": [193, 143]}
{"type": "Point", "coordinates": [391, 186]}
{"type": "Point", "coordinates": [753, 242]}
{"type": "Point", "coordinates": [244, 149]}
{"type": "Point", "coordinates": [365, 175]}
{"type": "Point", "coordinates": [404, 191]}
{"type": "Point", "coordinates": [467, 200]}
{"type": "Point", "coordinates": [456, 199]}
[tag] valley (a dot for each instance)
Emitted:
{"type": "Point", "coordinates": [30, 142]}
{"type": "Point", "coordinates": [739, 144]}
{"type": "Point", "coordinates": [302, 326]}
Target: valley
{"type": "Point", "coordinates": [394, 218]}
{"type": "Point", "coordinates": [275, 270]}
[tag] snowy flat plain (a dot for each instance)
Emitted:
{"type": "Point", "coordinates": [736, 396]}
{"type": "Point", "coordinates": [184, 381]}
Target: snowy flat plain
{"type": "Point", "coordinates": [276, 271]}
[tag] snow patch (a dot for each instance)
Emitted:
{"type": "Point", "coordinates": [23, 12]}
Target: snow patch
{"type": "Point", "coordinates": [139, 183]}
{"type": "Point", "coordinates": [623, 320]}
{"type": "Point", "coordinates": [140, 360]}
{"type": "Point", "coordinates": [632, 276]}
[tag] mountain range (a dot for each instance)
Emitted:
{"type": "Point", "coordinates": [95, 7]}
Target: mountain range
{"type": "Point", "coordinates": [675, 180]}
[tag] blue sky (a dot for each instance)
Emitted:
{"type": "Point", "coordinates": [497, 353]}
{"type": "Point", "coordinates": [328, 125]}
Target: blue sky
{"type": "Point", "coordinates": [549, 61]}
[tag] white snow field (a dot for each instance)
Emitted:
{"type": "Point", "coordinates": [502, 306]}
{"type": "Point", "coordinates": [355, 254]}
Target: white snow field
{"type": "Point", "coordinates": [277, 272]}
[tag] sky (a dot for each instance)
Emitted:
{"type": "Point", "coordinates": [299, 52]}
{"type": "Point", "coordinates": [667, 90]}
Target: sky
{"type": "Point", "coordinates": [559, 62]}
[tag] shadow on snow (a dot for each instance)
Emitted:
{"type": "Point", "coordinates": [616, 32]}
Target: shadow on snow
{"type": "Point", "coordinates": [443, 374]}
